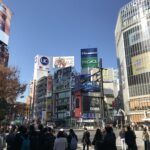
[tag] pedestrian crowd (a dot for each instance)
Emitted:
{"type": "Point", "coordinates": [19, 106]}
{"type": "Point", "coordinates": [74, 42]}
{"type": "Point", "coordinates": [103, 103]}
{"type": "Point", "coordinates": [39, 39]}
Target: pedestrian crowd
{"type": "Point", "coordinates": [45, 138]}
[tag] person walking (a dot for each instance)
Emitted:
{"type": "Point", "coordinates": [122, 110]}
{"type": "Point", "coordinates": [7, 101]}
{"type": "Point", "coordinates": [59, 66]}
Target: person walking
{"type": "Point", "coordinates": [34, 139]}
{"type": "Point", "coordinates": [2, 139]}
{"type": "Point", "coordinates": [60, 142]}
{"type": "Point", "coordinates": [49, 139]}
{"type": "Point", "coordinates": [130, 139]}
{"type": "Point", "coordinates": [86, 139]}
{"type": "Point", "coordinates": [109, 139]}
{"type": "Point", "coordinates": [122, 138]}
{"type": "Point", "coordinates": [10, 138]}
{"type": "Point", "coordinates": [72, 140]}
{"type": "Point", "coordinates": [145, 137]}
{"type": "Point", "coordinates": [98, 140]}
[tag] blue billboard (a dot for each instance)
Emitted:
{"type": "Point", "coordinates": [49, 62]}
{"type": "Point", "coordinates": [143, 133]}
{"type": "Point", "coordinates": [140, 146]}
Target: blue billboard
{"type": "Point", "coordinates": [83, 82]}
{"type": "Point", "coordinates": [90, 86]}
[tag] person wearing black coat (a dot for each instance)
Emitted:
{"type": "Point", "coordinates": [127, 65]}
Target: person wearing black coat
{"type": "Point", "coordinates": [98, 140]}
{"type": "Point", "coordinates": [109, 141]}
{"type": "Point", "coordinates": [130, 139]}
{"type": "Point", "coordinates": [69, 138]}
{"type": "Point", "coordinates": [86, 139]}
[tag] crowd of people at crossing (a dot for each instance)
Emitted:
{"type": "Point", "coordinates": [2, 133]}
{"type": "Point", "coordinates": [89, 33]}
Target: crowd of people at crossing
{"type": "Point", "coordinates": [45, 138]}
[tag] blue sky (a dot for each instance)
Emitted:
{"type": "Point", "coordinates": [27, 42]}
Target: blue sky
{"type": "Point", "coordinates": [61, 27]}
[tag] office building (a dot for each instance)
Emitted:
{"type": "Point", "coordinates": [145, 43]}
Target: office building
{"type": "Point", "coordinates": [132, 36]}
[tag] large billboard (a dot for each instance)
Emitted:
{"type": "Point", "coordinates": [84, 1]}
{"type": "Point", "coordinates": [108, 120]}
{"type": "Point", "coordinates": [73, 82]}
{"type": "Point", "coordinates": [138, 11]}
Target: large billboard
{"type": "Point", "coordinates": [91, 104]}
{"type": "Point", "coordinates": [62, 79]}
{"type": "Point", "coordinates": [63, 61]}
{"type": "Point", "coordinates": [141, 63]}
{"type": "Point", "coordinates": [83, 82]}
{"type": "Point", "coordinates": [89, 58]}
{"type": "Point", "coordinates": [5, 17]}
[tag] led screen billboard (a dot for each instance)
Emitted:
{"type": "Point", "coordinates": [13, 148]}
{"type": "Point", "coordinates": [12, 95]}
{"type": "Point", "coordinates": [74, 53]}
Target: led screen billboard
{"type": "Point", "coordinates": [83, 82]}
{"type": "Point", "coordinates": [89, 58]}
{"type": "Point", "coordinates": [63, 61]}
{"type": "Point", "coordinates": [91, 104]}
{"type": "Point", "coordinates": [5, 17]}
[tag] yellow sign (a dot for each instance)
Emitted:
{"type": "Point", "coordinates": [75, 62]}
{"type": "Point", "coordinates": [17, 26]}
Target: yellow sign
{"type": "Point", "coordinates": [141, 63]}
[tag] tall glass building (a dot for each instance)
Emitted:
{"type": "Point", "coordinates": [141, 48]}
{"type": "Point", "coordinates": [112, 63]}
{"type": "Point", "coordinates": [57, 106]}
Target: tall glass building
{"type": "Point", "coordinates": [132, 36]}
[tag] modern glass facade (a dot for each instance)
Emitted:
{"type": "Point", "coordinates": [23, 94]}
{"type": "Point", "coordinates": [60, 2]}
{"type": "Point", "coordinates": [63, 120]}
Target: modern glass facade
{"type": "Point", "coordinates": [133, 51]}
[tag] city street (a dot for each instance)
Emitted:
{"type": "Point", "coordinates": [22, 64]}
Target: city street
{"type": "Point", "coordinates": [139, 140]}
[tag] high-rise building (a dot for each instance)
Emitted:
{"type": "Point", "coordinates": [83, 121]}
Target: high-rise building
{"type": "Point", "coordinates": [132, 35]}
{"type": "Point", "coordinates": [42, 66]}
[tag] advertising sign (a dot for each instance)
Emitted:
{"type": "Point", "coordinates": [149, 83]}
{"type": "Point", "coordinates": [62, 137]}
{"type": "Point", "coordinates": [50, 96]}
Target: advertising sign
{"type": "Point", "coordinates": [90, 86]}
{"type": "Point", "coordinates": [141, 63]}
{"type": "Point", "coordinates": [78, 104]}
{"type": "Point", "coordinates": [63, 61]}
{"type": "Point", "coordinates": [91, 104]}
{"type": "Point", "coordinates": [43, 62]}
{"type": "Point", "coordinates": [62, 79]}
{"type": "Point", "coordinates": [89, 58]}
{"type": "Point", "coordinates": [5, 17]}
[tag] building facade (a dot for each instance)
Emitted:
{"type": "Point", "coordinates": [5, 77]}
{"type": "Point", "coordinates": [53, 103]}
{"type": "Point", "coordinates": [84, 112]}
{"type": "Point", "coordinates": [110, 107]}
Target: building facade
{"type": "Point", "coordinates": [132, 35]}
{"type": "Point", "coordinates": [5, 17]}
{"type": "Point", "coordinates": [44, 102]}
{"type": "Point", "coordinates": [62, 93]}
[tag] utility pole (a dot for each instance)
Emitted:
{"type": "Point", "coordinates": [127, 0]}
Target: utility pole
{"type": "Point", "coordinates": [102, 104]}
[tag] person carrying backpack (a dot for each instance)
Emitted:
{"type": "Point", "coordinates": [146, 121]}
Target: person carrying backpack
{"type": "Point", "coordinates": [72, 140]}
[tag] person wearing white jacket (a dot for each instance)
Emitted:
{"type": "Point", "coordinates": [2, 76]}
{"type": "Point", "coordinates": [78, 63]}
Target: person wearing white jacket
{"type": "Point", "coordinates": [61, 141]}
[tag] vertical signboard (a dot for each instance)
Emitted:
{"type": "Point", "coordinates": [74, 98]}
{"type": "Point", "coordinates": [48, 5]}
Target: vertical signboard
{"type": "Point", "coordinates": [89, 58]}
